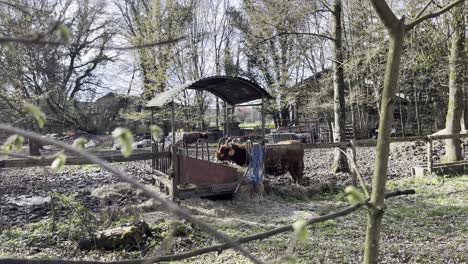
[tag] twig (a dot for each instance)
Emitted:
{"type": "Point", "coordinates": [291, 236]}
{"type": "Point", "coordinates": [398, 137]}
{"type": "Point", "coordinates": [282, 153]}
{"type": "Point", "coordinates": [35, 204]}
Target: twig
{"type": "Point", "coordinates": [169, 205]}
{"type": "Point", "coordinates": [358, 174]}
{"type": "Point", "coordinates": [220, 247]}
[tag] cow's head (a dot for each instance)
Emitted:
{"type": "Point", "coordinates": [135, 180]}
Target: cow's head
{"type": "Point", "coordinates": [233, 152]}
{"type": "Point", "coordinates": [225, 152]}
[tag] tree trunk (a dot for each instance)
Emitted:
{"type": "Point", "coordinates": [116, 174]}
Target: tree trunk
{"type": "Point", "coordinates": [416, 109]}
{"type": "Point", "coordinates": [217, 112]}
{"type": "Point", "coordinates": [401, 115]}
{"type": "Point", "coordinates": [353, 122]}
{"type": "Point", "coordinates": [376, 205]}
{"type": "Point", "coordinates": [276, 119]}
{"type": "Point", "coordinates": [453, 151]}
{"type": "Point", "coordinates": [462, 120]}
{"type": "Point", "coordinates": [330, 129]}
{"type": "Point", "coordinates": [340, 163]}
{"type": "Point", "coordinates": [34, 147]}
{"type": "Point", "coordinates": [284, 117]}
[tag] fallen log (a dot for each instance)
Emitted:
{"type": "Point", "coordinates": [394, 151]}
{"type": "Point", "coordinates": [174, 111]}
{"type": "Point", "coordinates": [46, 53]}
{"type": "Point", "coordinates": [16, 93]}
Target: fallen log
{"type": "Point", "coordinates": [125, 237]}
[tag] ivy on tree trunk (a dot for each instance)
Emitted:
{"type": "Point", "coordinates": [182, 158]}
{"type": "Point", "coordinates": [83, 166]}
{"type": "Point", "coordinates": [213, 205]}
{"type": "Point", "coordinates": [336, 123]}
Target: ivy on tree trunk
{"type": "Point", "coordinates": [453, 151]}
{"type": "Point", "coordinates": [340, 163]}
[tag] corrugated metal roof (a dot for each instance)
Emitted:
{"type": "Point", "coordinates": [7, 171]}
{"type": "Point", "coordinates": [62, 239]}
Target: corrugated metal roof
{"type": "Point", "coordinates": [233, 90]}
{"type": "Point", "coordinates": [166, 97]}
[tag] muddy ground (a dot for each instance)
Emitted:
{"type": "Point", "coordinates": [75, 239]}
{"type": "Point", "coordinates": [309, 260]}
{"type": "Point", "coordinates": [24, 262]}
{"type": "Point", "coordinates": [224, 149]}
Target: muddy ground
{"type": "Point", "coordinates": [25, 204]}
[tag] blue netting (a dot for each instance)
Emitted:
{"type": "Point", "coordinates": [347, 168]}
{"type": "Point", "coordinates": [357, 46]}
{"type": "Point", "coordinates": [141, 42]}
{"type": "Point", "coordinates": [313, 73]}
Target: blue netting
{"type": "Point", "coordinates": [255, 172]}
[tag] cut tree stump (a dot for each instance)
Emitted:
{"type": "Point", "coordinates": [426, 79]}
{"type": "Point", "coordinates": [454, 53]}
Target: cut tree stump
{"type": "Point", "coordinates": [129, 237]}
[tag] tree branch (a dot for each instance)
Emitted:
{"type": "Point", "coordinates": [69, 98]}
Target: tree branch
{"type": "Point", "coordinates": [328, 7]}
{"type": "Point", "coordinates": [294, 33]}
{"type": "Point", "coordinates": [23, 156]}
{"type": "Point", "coordinates": [32, 41]}
{"type": "Point", "coordinates": [220, 247]}
{"type": "Point", "coordinates": [169, 205]}
{"type": "Point", "coordinates": [417, 20]}
{"type": "Point", "coordinates": [386, 14]}
{"type": "Point", "coordinates": [420, 13]}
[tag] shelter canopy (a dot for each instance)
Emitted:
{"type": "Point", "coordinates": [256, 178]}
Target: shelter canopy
{"type": "Point", "coordinates": [233, 90]}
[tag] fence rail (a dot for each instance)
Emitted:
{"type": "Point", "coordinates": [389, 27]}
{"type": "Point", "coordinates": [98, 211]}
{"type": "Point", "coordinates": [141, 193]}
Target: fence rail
{"type": "Point", "coordinates": [373, 142]}
{"type": "Point", "coordinates": [40, 162]}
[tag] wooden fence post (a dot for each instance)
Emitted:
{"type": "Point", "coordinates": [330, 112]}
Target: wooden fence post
{"type": "Point", "coordinates": [175, 172]}
{"type": "Point", "coordinates": [175, 156]}
{"type": "Point", "coordinates": [429, 155]}
{"type": "Point", "coordinates": [202, 152]}
{"type": "Point", "coordinates": [155, 161]}
{"type": "Point", "coordinates": [207, 150]}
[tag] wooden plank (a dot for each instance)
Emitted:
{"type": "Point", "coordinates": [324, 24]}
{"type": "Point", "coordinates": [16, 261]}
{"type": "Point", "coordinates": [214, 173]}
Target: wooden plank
{"type": "Point", "coordinates": [208, 190]}
{"type": "Point", "coordinates": [313, 145]}
{"type": "Point", "coordinates": [453, 163]}
{"type": "Point", "coordinates": [372, 142]}
{"type": "Point", "coordinates": [23, 163]}
{"type": "Point", "coordinates": [450, 168]}
{"type": "Point", "coordinates": [437, 137]}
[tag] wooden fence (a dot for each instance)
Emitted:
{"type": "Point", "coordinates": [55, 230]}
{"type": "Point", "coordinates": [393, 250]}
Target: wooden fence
{"type": "Point", "coordinates": [164, 154]}
{"type": "Point", "coordinates": [373, 142]}
{"type": "Point", "coordinates": [40, 162]}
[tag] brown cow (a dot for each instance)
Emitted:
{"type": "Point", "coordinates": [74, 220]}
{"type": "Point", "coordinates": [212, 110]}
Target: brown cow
{"type": "Point", "coordinates": [290, 158]}
{"type": "Point", "coordinates": [193, 137]}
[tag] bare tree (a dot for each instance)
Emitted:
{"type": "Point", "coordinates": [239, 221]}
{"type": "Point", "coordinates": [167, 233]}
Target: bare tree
{"type": "Point", "coordinates": [153, 21]}
{"type": "Point", "coordinates": [270, 33]}
{"type": "Point", "coordinates": [55, 77]}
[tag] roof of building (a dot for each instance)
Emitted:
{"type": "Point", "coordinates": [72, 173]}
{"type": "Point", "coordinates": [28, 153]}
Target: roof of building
{"type": "Point", "coordinates": [233, 90]}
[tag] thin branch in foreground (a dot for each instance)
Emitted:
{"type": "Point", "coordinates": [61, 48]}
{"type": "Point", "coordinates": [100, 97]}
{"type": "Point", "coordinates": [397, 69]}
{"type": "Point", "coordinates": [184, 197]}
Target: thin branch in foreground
{"type": "Point", "coordinates": [169, 205]}
{"type": "Point", "coordinates": [358, 173]}
{"type": "Point", "coordinates": [220, 247]}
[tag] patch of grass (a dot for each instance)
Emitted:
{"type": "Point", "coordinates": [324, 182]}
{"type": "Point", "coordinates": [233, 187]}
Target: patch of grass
{"type": "Point", "coordinates": [336, 196]}
{"type": "Point", "coordinates": [328, 227]}
{"type": "Point", "coordinates": [80, 222]}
